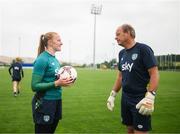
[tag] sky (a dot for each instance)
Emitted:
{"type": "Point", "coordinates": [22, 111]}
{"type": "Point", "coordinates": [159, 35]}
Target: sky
{"type": "Point", "coordinates": [156, 22]}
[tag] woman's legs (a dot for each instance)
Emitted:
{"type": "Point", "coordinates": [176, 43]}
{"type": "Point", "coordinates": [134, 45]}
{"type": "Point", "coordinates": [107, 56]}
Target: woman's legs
{"type": "Point", "coordinates": [15, 84]}
{"type": "Point", "coordinates": [49, 128]}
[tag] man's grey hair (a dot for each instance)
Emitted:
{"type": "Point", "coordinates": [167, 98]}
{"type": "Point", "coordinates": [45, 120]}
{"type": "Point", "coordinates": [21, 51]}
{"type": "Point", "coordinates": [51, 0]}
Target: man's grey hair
{"type": "Point", "coordinates": [129, 29]}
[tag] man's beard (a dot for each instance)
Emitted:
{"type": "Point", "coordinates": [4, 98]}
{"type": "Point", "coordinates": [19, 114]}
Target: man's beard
{"type": "Point", "coordinates": [120, 44]}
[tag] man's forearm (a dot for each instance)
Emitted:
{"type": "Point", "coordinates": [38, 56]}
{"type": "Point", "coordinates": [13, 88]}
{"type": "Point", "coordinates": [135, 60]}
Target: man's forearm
{"type": "Point", "coordinates": [154, 79]}
{"type": "Point", "coordinates": [117, 84]}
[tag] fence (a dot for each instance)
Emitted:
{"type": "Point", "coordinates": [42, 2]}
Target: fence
{"type": "Point", "coordinates": [169, 62]}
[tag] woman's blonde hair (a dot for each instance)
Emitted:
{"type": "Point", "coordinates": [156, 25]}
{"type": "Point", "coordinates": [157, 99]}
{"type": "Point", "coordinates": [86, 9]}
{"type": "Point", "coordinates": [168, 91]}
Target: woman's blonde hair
{"type": "Point", "coordinates": [18, 59]}
{"type": "Point", "coordinates": [43, 43]}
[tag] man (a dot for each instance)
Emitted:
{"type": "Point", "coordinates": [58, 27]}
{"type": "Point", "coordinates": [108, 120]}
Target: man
{"type": "Point", "coordinates": [138, 76]}
{"type": "Point", "coordinates": [17, 72]}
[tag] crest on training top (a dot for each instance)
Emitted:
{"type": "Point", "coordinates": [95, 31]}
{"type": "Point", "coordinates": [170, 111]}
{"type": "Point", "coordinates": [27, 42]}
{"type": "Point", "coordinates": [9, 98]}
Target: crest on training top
{"type": "Point", "coordinates": [134, 56]}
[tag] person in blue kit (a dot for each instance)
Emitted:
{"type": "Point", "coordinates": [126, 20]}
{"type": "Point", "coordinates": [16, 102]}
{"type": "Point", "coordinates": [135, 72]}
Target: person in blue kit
{"type": "Point", "coordinates": [47, 101]}
{"type": "Point", "coordinates": [138, 76]}
{"type": "Point", "coordinates": [16, 72]}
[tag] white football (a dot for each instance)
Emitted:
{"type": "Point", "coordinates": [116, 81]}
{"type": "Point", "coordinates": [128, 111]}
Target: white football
{"type": "Point", "coordinates": [67, 72]}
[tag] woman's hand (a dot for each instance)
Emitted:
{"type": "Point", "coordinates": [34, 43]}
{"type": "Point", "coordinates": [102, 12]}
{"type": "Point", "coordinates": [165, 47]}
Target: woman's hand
{"type": "Point", "coordinates": [64, 82]}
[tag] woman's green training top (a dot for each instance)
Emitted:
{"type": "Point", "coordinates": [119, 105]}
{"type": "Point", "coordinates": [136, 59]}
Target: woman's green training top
{"type": "Point", "coordinates": [44, 74]}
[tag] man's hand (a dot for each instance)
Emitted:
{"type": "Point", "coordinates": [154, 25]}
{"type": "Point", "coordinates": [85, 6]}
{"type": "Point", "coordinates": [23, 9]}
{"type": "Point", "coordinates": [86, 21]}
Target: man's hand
{"type": "Point", "coordinates": [110, 101]}
{"type": "Point", "coordinates": [146, 105]}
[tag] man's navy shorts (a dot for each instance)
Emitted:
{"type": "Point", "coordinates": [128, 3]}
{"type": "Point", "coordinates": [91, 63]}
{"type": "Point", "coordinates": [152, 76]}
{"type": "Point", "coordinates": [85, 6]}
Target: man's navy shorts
{"type": "Point", "coordinates": [130, 115]}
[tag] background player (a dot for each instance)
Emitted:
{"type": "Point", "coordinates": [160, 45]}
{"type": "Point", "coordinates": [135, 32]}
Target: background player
{"type": "Point", "coordinates": [16, 71]}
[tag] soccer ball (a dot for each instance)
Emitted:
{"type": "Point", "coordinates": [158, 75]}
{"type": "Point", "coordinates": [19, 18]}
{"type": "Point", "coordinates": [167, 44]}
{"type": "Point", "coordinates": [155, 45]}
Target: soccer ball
{"type": "Point", "coordinates": [67, 72]}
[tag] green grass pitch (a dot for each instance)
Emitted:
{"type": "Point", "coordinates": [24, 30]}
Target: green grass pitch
{"type": "Point", "coordinates": [84, 104]}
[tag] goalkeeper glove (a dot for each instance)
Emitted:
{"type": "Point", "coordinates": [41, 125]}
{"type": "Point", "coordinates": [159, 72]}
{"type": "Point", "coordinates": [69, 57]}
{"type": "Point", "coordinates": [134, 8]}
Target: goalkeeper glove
{"type": "Point", "coordinates": [146, 105]}
{"type": "Point", "coordinates": [110, 101]}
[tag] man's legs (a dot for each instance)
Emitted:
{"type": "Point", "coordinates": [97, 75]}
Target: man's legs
{"type": "Point", "coordinates": [140, 132]}
{"type": "Point", "coordinates": [131, 130]}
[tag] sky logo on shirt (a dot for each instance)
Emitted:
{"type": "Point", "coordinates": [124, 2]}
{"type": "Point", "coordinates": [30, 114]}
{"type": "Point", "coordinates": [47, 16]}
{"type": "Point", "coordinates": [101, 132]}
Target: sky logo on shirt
{"type": "Point", "coordinates": [127, 66]}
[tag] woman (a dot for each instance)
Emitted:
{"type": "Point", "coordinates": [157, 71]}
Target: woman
{"type": "Point", "coordinates": [47, 103]}
{"type": "Point", "coordinates": [16, 72]}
